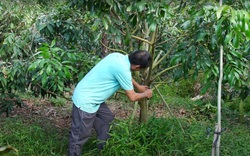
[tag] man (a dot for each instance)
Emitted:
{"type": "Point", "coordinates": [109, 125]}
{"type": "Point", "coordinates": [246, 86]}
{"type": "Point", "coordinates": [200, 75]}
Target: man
{"type": "Point", "coordinates": [90, 94]}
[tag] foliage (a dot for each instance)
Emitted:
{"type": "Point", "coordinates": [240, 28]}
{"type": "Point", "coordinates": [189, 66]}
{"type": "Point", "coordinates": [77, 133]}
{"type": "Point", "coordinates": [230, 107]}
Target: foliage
{"type": "Point", "coordinates": [58, 102]}
{"type": "Point", "coordinates": [184, 36]}
{"type": "Point", "coordinates": [43, 48]}
{"type": "Point", "coordinates": [55, 70]}
{"type": "Point", "coordinates": [209, 27]}
{"type": "Point", "coordinates": [234, 104]}
{"type": "Point", "coordinates": [163, 137]}
{"type": "Point", "coordinates": [8, 101]}
{"type": "Point", "coordinates": [184, 88]}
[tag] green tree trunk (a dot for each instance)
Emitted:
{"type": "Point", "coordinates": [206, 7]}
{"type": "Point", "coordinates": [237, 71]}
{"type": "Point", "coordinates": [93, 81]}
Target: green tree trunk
{"type": "Point", "coordinates": [143, 111]}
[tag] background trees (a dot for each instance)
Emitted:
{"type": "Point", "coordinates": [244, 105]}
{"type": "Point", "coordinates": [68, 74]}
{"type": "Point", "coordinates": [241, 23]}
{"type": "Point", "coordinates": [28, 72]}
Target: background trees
{"type": "Point", "coordinates": [48, 49]}
{"type": "Point", "coordinates": [184, 37]}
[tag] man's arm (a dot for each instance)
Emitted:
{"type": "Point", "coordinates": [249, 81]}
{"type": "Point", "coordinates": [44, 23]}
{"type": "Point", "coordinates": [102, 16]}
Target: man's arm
{"type": "Point", "coordinates": [140, 88]}
{"type": "Point", "coordinates": [133, 96]}
{"type": "Point", "coordinates": [143, 90]}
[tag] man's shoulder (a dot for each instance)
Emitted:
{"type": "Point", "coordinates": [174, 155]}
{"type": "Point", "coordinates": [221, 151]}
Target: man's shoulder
{"type": "Point", "coordinates": [116, 57]}
{"type": "Point", "coordinates": [118, 61]}
{"type": "Point", "coordinates": [115, 54]}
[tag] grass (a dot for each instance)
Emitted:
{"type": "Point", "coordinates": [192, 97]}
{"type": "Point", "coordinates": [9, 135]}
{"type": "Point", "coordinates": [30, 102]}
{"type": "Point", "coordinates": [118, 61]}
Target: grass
{"type": "Point", "coordinates": [38, 135]}
{"type": "Point", "coordinates": [33, 136]}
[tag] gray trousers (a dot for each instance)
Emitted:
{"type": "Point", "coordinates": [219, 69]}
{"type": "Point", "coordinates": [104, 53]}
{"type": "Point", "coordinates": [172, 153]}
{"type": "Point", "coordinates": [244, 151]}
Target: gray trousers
{"type": "Point", "coordinates": [82, 124]}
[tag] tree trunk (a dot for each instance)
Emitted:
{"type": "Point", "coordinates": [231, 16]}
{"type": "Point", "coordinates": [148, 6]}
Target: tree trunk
{"type": "Point", "coordinates": [143, 111]}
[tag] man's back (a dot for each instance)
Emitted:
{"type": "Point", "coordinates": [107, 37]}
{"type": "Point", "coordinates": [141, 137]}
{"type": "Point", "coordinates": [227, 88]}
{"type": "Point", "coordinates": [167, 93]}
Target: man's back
{"type": "Point", "coordinates": [102, 81]}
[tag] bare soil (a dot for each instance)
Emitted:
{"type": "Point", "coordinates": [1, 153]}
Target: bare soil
{"type": "Point", "coordinates": [60, 116]}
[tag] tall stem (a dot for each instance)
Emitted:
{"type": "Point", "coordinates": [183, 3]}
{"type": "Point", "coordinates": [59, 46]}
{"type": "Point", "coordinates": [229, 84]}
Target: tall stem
{"type": "Point", "coordinates": [217, 134]}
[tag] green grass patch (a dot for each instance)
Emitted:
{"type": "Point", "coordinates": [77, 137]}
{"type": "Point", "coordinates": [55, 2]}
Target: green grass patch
{"type": "Point", "coordinates": [160, 136]}
{"type": "Point", "coordinates": [38, 136]}
{"type": "Point", "coordinates": [33, 137]}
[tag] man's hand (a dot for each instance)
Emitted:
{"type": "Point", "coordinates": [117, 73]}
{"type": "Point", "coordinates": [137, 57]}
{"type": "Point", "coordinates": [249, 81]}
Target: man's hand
{"type": "Point", "coordinates": [133, 96]}
{"type": "Point", "coordinates": [148, 93]}
{"type": "Point", "coordinates": [142, 88]}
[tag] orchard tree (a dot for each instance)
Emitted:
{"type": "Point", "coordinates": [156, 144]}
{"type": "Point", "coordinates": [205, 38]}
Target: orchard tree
{"type": "Point", "coordinates": [45, 52]}
{"type": "Point", "coordinates": [183, 37]}
{"type": "Point", "coordinates": [44, 49]}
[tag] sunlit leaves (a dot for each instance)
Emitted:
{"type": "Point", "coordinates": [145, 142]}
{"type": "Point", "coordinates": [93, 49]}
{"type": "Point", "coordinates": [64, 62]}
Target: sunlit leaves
{"type": "Point", "coordinates": [106, 22]}
{"type": "Point", "coordinates": [224, 9]}
{"type": "Point", "coordinates": [186, 25]}
{"type": "Point", "coordinates": [50, 69]}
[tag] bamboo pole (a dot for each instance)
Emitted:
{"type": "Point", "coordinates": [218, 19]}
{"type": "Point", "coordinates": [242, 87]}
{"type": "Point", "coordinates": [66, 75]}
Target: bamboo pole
{"type": "Point", "coordinates": [169, 110]}
{"type": "Point", "coordinates": [217, 134]}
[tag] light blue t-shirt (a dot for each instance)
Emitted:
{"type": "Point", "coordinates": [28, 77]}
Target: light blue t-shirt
{"type": "Point", "coordinates": [103, 81]}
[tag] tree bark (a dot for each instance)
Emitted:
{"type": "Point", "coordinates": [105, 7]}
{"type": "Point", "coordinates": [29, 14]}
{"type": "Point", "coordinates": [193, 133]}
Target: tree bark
{"type": "Point", "coordinates": [143, 111]}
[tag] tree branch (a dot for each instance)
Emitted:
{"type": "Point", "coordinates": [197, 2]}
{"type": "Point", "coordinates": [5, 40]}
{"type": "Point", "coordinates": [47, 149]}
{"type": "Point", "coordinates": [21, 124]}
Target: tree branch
{"type": "Point", "coordinates": [165, 70]}
{"type": "Point", "coordinates": [169, 110]}
{"type": "Point", "coordinates": [170, 51]}
{"type": "Point", "coordinates": [138, 38]}
{"type": "Point", "coordinates": [117, 50]}
{"type": "Point", "coordinates": [50, 92]}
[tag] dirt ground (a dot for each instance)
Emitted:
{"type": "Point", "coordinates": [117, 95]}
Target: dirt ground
{"type": "Point", "coordinates": [61, 116]}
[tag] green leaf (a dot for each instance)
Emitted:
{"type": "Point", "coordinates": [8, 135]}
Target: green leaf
{"type": "Point", "coordinates": [231, 78]}
{"type": "Point", "coordinates": [236, 53]}
{"type": "Point", "coordinates": [206, 87]}
{"type": "Point", "coordinates": [44, 79]}
{"type": "Point", "coordinates": [46, 54]}
{"type": "Point", "coordinates": [127, 38]}
{"type": "Point", "coordinates": [56, 49]}
{"type": "Point", "coordinates": [218, 28]}
{"type": "Point", "coordinates": [141, 5]}
{"type": "Point", "coordinates": [153, 26]}
{"type": "Point", "coordinates": [97, 37]}
{"type": "Point", "coordinates": [53, 43]}
{"type": "Point", "coordinates": [57, 65]}
{"type": "Point", "coordinates": [228, 38]}
{"type": "Point", "coordinates": [175, 59]}
{"type": "Point", "coordinates": [118, 39]}
{"type": "Point", "coordinates": [50, 28]}
{"type": "Point", "coordinates": [213, 41]}
{"type": "Point", "coordinates": [236, 42]}
{"type": "Point", "coordinates": [34, 65]}
{"type": "Point", "coordinates": [247, 30]}
{"type": "Point", "coordinates": [201, 36]}
{"type": "Point", "coordinates": [3, 81]}
{"type": "Point", "coordinates": [105, 23]}
{"type": "Point", "coordinates": [237, 76]}
{"type": "Point", "coordinates": [60, 85]}
{"type": "Point", "coordinates": [66, 62]}
{"type": "Point", "coordinates": [186, 25]}
{"type": "Point", "coordinates": [215, 70]}
{"type": "Point", "coordinates": [221, 9]}
{"type": "Point", "coordinates": [229, 57]}
{"type": "Point", "coordinates": [67, 73]}
{"type": "Point", "coordinates": [48, 69]}
{"type": "Point", "coordinates": [129, 8]}
{"type": "Point", "coordinates": [40, 26]}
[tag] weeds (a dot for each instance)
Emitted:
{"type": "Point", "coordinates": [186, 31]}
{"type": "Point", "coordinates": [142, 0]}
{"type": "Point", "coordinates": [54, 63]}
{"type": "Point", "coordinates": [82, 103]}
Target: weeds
{"type": "Point", "coordinates": [158, 137]}
{"type": "Point", "coordinates": [36, 138]}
